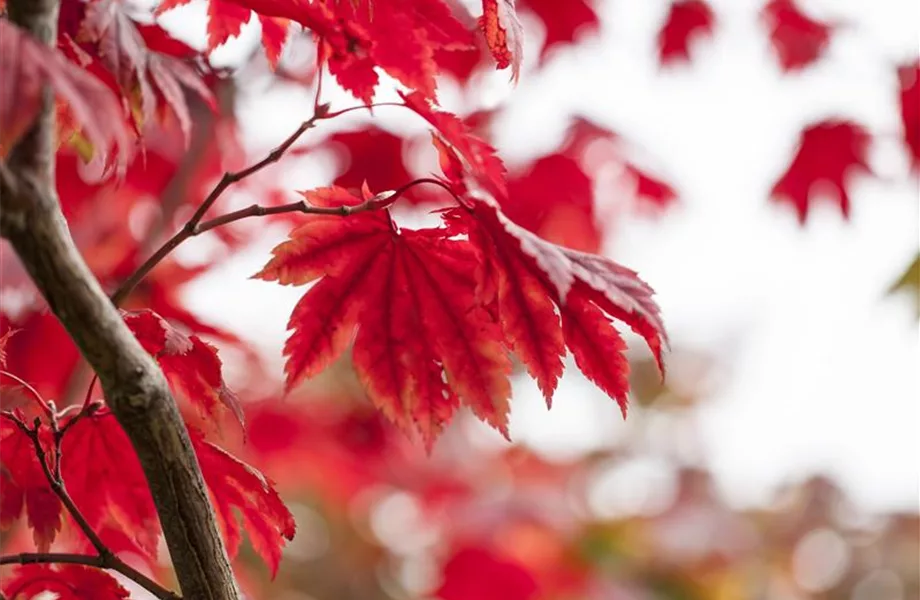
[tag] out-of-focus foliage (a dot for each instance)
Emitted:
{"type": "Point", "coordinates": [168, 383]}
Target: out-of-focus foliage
{"type": "Point", "coordinates": [378, 518]}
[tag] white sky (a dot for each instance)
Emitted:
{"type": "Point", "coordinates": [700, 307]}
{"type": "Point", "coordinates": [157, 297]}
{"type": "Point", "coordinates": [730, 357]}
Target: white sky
{"type": "Point", "coordinates": [824, 367]}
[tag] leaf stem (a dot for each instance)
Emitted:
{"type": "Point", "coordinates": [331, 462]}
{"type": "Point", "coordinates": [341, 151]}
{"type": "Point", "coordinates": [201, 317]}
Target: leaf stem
{"type": "Point", "coordinates": [32, 391]}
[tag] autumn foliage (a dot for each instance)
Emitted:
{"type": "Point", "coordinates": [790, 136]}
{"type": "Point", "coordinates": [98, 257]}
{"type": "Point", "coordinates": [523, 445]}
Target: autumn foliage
{"type": "Point", "coordinates": [505, 273]}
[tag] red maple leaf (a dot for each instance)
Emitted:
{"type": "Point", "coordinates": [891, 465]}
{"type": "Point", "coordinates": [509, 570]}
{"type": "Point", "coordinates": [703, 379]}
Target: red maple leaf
{"type": "Point", "coordinates": [26, 352]}
{"type": "Point", "coordinates": [27, 67]}
{"type": "Point", "coordinates": [417, 317]}
{"type": "Point", "coordinates": [474, 573]}
{"type": "Point", "coordinates": [106, 482]}
{"type": "Point", "coordinates": [909, 88]}
{"type": "Point", "coordinates": [234, 485]}
{"type": "Point", "coordinates": [189, 364]}
{"type": "Point", "coordinates": [504, 34]}
{"type": "Point", "coordinates": [422, 304]}
{"type": "Point", "coordinates": [24, 485]}
{"type": "Point", "coordinates": [797, 39]}
{"type": "Point", "coordinates": [525, 275]}
{"type": "Point", "coordinates": [371, 155]}
{"type": "Point", "coordinates": [554, 198]}
{"type": "Point", "coordinates": [829, 153]}
{"type": "Point", "coordinates": [565, 22]}
{"type": "Point", "coordinates": [686, 21]}
{"type": "Point", "coordinates": [227, 17]}
{"type": "Point", "coordinates": [139, 73]}
{"type": "Point", "coordinates": [67, 582]}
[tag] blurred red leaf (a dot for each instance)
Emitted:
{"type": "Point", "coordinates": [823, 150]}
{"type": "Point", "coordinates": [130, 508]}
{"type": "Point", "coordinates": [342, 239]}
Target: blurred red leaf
{"type": "Point", "coordinates": [909, 80]}
{"type": "Point", "coordinates": [829, 153]}
{"type": "Point", "coordinates": [797, 39]}
{"type": "Point", "coordinates": [142, 76]}
{"type": "Point", "coordinates": [67, 582]}
{"type": "Point", "coordinates": [652, 190]}
{"type": "Point", "coordinates": [479, 574]}
{"type": "Point", "coordinates": [372, 155]}
{"type": "Point", "coordinates": [554, 198]}
{"type": "Point", "coordinates": [565, 22]}
{"type": "Point", "coordinates": [686, 21]}
{"type": "Point", "coordinates": [27, 67]}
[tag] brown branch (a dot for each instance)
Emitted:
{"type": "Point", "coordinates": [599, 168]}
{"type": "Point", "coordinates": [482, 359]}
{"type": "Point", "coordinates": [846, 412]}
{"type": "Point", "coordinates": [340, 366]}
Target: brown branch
{"type": "Point", "coordinates": [134, 386]}
{"type": "Point", "coordinates": [192, 227]}
{"type": "Point", "coordinates": [100, 562]}
{"type": "Point", "coordinates": [57, 486]}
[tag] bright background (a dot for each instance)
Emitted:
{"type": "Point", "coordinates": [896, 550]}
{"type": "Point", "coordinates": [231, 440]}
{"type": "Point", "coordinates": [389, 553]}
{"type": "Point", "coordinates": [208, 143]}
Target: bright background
{"type": "Point", "coordinates": [816, 367]}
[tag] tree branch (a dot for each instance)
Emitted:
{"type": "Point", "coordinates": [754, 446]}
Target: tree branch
{"type": "Point", "coordinates": [100, 562]}
{"type": "Point", "coordinates": [136, 391]}
{"type": "Point", "coordinates": [192, 228]}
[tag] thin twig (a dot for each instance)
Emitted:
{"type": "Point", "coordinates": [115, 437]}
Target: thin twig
{"type": "Point", "coordinates": [89, 391]}
{"type": "Point", "coordinates": [100, 562]}
{"type": "Point", "coordinates": [57, 486]}
{"type": "Point", "coordinates": [38, 397]}
{"type": "Point", "coordinates": [192, 227]}
{"type": "Point", "coordinates": [339, 113]}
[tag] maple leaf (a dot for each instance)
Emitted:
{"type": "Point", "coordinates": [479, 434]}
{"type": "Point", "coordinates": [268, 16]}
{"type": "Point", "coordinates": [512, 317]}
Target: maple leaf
{"type": "Point", "coordinates": [797, 39]}
{"type": "Point", "coordinates": [564, 274]}
{"type": "Point", "coordinates": [227, 17]}
{"type": "Point", "coordinates": [909, 95]}
{"type": "Point", "coordinates": [25, 352]}
{"type": "Point", "coordinates": [24, 485]}
{"type": "Point", "coordinates": [475, 573]}
{"type": "Point", "coordinates": [372, 155]}
{"type": "Point", "coordinates": [418, 323]}
{"type": "Point", "coordinates": [274, 35]}
{"type": "Point", "coordinates": [425, 27]}
{"type": "Point", "coordinates": [504, 34]}
{"type": "Point", "coordinates": [564, 22]}
{"type": "Point", "coordinates": [829, 153]}
{"type": "Point", "coordinates": [123, 50]}
{"type": "Point", "coordinates": [67, 582]}
{"type": "Point", "coordinates": [235, 485]}
{"type": "Point", "coordinates": [686, 21]}
{"type": "Point", "coordinates": [105, 480]}
{"type": "Point", "coordinates": [27, 67]}
{"type": "Point", "coordinates": [554, 198]}
{"type": "Point", "coordinates": [188, 363]}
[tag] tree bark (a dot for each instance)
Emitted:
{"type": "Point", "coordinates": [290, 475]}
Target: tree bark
{"type": "Point", "coordinates": [134, 386]}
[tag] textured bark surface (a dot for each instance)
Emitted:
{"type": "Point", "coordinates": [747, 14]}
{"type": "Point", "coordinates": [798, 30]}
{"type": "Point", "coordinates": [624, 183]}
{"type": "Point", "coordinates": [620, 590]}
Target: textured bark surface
{"type": "Point", "coordinates": [136, 391]}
